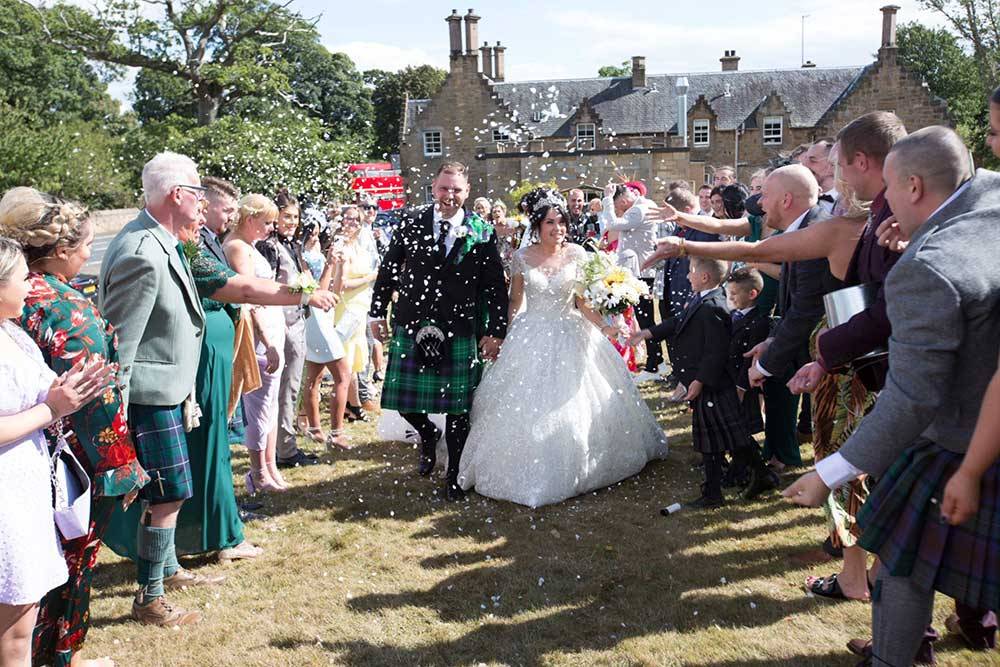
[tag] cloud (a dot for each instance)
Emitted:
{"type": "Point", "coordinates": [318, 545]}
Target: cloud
{"type": "Point", "coordinates": [377, 55]}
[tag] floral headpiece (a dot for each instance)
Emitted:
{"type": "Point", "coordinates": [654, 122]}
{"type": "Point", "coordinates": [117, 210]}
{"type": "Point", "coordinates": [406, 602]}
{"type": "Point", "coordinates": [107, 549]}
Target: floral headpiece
{"type": "Point", "coordinates": [549, 198]}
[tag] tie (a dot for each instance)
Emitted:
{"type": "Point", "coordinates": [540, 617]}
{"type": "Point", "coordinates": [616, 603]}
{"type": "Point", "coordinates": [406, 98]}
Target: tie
{"type": "Point", "coordinates": [445, 228]}
{"type": "Point", "coordinates": [826, 198]}
{"type": "Point", "coordinates": [738, 315]}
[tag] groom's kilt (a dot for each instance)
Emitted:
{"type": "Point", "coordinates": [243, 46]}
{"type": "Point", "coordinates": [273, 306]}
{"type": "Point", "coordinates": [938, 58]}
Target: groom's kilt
{"type": "Point", "coordinates": [902, 523]}
{"type": "Point", "coordinates": [161, 447]}
{"type": "Point", "coordinates": [446, 389]}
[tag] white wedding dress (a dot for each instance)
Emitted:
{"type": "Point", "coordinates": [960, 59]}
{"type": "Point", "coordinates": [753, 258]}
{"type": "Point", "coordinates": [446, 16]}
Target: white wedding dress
{"type": "Point", "coordinates": [558, 414]}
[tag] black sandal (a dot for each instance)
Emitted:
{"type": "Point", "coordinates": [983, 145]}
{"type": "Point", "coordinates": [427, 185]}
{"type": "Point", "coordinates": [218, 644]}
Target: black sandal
{"type": "Point", "coordinates": [827, 587]}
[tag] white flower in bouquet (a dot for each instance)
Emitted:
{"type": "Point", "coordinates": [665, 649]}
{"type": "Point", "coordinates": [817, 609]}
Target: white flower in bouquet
{"type": "Point", "coordinates": [461, 232]}
{"type": "Point", "coordinates": [303, 283]}
{"type": "Point", "coordinates": [609, 289]}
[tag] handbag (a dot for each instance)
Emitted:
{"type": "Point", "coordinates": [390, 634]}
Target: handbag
{"type": "Point", "coordinates": [71, 486]}
{"type": "Point", "coordinates": [348, 325]}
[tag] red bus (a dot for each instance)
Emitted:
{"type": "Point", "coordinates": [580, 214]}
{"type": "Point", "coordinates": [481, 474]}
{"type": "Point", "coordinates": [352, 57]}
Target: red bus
{"type": "Point", "coordinates": [378, 181]}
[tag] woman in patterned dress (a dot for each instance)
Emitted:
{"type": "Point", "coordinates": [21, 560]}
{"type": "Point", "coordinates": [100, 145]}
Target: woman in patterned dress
{"type": "Point", "coordinates": [68, 328]}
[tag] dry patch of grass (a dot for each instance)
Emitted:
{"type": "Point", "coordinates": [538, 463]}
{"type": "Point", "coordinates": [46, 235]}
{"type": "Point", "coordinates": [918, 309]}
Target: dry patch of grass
{"type": "Point", "coordinates": [365, 565]}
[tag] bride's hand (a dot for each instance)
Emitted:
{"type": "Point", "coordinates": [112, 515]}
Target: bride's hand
{"type": "Point", "coordinates": [489, 347]}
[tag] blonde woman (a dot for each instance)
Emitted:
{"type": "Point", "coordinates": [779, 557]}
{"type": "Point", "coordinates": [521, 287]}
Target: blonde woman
{"type": "Point", "coordinates": [482, 207]}
{"type": "Point", "coordinates": [258, 215]}
{"type": "Point", "coordinates": [351, 315]}
{"type": "Point", "coordinates": [508, 240]}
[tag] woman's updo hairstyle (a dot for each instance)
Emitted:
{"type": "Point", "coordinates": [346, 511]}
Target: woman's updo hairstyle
{"type": "Point", "coordinates": [537, 204]}
{"type": "Point", "coordinates": [40, 222]}
{"type": "Point", "coordinates": [253, 205]}
{"type": "Point", "coordinates": [284, 199]}
{"type": "Point", "coordinates": [733, 200]}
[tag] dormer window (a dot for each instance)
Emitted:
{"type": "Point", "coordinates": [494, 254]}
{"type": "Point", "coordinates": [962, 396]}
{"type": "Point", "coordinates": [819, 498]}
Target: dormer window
{"type": "Point", "coordinates": [586, 136]}
{"type": "Point", "coordinates": [536, 116]}
{"type": "Point", "coordinates": [501, 136]}
{"type": "Point", "coordinates": [700, 132]}
{"type": "Point", "coordinates": [772, 130]}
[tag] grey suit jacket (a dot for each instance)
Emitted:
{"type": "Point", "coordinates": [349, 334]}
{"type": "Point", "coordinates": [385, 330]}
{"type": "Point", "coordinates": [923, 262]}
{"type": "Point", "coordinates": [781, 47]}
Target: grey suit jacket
{"type": "Point", "coordinates": [943, 300]}
{"type": "Point", "coordinates": [636, 230]}
{"type": "Point", "coordinates": [147, 292]}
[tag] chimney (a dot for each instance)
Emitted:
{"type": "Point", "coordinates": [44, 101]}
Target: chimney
{"type": "Point", "coordinates": [730, 61]}
{"type": "Point", "coordinates": [498, 64]}
{"type": "Point", "coordinates": [681, 85]}
{"type": "Point", "coordinates": [471, 33]}
{"type": "Point", "coordinates": [455, 33]}
{"type": "Point", "coordinates": [638, 71]}
{"type": "Point", "coordinates": [889, 26]}
{"type": "Point", "coordinates": [487, 56]}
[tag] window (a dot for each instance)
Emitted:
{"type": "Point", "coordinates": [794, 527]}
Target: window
{"type": "Point", "coordinates": [699, 132]}
{"type": "Point", "coordinates": [501, 135]}
{"type": "Point", "coordinates": [428, 194]}
{"type": "Point", "coordinates": [586, 136]}
{"type": "Point", "coordinates": [536, 116]}
{"type": "Point", "coordinates": [432, 143]}
{"type": "Point", "coordinates": [772, 130]}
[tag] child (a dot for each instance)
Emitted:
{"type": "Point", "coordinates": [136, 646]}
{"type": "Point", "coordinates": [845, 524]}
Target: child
{"type": "Point", "coordinates": [700, 337]}
{"type": "Point", "coordinates": [750, 325]}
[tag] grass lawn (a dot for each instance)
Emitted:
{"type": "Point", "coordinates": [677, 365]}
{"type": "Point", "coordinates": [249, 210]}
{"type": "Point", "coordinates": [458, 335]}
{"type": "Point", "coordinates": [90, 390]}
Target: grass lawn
{"type": "Point", "coordinates": [365, 565]}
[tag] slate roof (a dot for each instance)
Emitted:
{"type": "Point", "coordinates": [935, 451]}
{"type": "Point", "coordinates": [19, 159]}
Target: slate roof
{"type": "Point", "coordinates": [808, 93]}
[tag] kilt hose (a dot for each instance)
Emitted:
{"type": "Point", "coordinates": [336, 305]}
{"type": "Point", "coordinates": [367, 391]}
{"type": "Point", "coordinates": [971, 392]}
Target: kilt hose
{"type": "Point", "coordinates": [901, 522]}
{"type": "Point", "coordinates": [445, 389]}
{"type": "Point", "coordinates": [161, 447]}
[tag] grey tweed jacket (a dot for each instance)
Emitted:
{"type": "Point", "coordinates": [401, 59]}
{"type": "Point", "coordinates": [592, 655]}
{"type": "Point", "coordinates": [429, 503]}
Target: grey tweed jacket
{"type": "Point", "coordinates": [943, 300]}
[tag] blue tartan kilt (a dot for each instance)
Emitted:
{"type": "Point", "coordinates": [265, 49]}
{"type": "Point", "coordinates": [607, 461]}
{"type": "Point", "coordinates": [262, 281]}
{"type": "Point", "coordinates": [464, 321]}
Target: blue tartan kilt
{"type": "Point", "coordinates": [445, 389]}
{"type": "Point", "coordinates": [902, 524]}
{"type": "Point", "coordinates": [161, 447]}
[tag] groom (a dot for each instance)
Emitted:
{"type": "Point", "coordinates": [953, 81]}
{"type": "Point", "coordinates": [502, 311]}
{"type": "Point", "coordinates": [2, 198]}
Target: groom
{"type": "Point", "coordinates": [445, 268]}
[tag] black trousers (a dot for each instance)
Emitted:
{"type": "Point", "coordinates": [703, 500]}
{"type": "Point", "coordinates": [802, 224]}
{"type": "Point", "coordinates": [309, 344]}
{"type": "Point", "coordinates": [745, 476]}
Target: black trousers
{"type": "Point", "coordinates": [456, 433]}
{"type": "Point", "coordinates": [644, 314]}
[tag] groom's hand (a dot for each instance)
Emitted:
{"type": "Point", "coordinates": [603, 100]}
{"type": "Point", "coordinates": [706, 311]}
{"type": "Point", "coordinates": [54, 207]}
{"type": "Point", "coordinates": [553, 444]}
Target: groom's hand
{"type": "Point", "coordinates": [489, 347]}
{"type": "Point", "coordinates": [380, 330]}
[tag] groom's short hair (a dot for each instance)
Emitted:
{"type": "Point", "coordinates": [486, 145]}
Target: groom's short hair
{"type": "Point", "coordinates": [452, 167]}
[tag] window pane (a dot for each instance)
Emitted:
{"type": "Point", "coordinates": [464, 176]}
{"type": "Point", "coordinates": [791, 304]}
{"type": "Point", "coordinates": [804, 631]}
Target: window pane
{"type": "Point", "coordinates": [586, 136]}
{"type": "Point", "coordinates": [699, 132]}
{"type": "Point", "coordinates": [772, 130]}
{"type": "Point", "coordinates": [432, 142]}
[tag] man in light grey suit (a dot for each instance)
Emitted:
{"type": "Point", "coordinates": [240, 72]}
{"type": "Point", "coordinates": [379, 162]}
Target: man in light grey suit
{"type": "Point", "coordinates": [147, 292]}
{"type": "Point", "coordinates": [943, 301]}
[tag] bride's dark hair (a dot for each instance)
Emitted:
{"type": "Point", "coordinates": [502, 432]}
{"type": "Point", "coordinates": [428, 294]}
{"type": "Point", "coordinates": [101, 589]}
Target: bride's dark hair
{"type": "Point", "coordinates": [537, 204]}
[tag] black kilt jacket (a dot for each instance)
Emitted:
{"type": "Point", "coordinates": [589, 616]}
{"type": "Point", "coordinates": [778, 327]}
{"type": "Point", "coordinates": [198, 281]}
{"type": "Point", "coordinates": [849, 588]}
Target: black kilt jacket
{"type": "Point", "coordinates": [700, 336]}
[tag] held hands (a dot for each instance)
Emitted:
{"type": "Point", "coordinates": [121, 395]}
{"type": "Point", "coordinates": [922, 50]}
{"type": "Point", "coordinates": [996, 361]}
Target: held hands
{"type": "Point", "coordinates": [891, 236]}
{"type": "Point", "coordinates": [380, 330]}
{"type": "Point", "coordinates": [84, 382]}
{"type": "Point", "coordinates": [807, 378]}
{"type": "Point", "coordinates": [273, 359]}
{"type": "Point", "coordinates": [694, 391]}
{"type": "Point", "coordinates": [961, 497]}
{"type": "Point", "coordinates": [807, 491]}
{"type": "Point", "coordinates": [489, 347]}
{"type": "Point", "coordinates": [323, 299]}
{"type": "Point", "coordinates": [638, 337]}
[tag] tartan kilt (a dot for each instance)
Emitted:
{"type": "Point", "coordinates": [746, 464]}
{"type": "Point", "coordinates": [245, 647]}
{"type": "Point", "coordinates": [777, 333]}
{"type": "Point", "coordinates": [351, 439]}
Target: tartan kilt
{"type": "Point", "coordinates": [161, 447]}
{"type": "Point", "coordinates": [409, 386]}
{"type": "Point", "coordinates": [718, 423]}
{"type": "Point", "coordinates": [751, 411]}
{"type": "Point", "coordinates": [902, 525]}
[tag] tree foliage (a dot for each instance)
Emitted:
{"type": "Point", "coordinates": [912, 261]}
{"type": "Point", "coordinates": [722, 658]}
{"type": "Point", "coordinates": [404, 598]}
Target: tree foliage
{"type": "Point", "coordinates": [389, 90]}
{"type": "Point", "coordinates": [977, 23]}
{"type": "Point", "coordinates": [625, 69]}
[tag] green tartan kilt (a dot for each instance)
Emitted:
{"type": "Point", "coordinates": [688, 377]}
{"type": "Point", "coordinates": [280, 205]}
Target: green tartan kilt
{"type": "Point", "coordinates": [161, 447]}
{"type": "Point", "coordinates": [447, 389]}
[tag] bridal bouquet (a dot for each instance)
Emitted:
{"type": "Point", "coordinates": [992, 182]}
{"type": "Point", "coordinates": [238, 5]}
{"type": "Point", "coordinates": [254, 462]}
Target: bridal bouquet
{"type": "Point", "coordinates": [608, 288]}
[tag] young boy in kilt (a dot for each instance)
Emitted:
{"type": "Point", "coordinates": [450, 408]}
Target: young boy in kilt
{"type": "Point", "coordinates": [700, 336]}
{"type": "Point", "coordinates": [750, 326]}
{"type": "Point", "coordinates": [444, 269]}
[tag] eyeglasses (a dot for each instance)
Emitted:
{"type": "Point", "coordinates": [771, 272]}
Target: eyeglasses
{"type": "Point", "coordinates": [198, 190]}
{"type": "Point", "coordinates": [351, 219]}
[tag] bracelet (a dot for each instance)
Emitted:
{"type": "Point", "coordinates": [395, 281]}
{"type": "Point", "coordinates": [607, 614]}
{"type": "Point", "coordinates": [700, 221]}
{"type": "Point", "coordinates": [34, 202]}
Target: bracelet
{"type": "Point", "coordinates": [684, 251]}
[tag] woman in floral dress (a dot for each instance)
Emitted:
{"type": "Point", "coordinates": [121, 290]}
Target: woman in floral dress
{"type": "Point", "coordinates": [67, 327]}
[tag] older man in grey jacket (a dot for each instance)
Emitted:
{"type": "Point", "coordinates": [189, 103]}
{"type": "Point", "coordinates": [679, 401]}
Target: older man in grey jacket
{"type": "Point", "coordinates": [943, 299]}
{"type": "Point", "coordinates": [147, 292]}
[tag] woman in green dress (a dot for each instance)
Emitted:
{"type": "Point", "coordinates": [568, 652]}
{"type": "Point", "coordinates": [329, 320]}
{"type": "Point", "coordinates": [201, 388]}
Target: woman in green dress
{"type": "Point", "coordinates": [209, 520]}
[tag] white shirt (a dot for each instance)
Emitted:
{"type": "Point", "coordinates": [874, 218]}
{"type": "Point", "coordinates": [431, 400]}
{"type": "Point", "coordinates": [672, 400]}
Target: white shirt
{"type": "Point", "coordinates": [828, 206]}
{"type": "Point", "coordinates": [835, 470]}
{"type": "Point", "coordinates": [791, 228]}
{"type": "Point", "coordinates": [456, 222]}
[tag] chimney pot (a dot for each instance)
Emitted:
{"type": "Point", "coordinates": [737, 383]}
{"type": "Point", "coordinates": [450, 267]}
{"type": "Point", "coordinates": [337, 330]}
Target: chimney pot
{"type": "Point", "coordinates": [455, 33]}
{"type": "Point", "coordinates": [471, 33]}
{"type": "Point", "coordinates": [730, 61]}
{"type": "Point", "coordinates": [889, 26]}
{"type": "Point", "coordinates": [498, 62]}
{"type": "Point", "coordinates": [487, 56]}
{"type": "Point", "coordinates": [639, 72]}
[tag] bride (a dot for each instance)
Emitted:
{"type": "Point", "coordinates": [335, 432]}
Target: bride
{"type": "Point", "coordinates": [557, 415]}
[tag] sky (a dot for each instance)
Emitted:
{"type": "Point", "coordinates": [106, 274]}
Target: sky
{"type": "Point", "coordinates": [556, 40]}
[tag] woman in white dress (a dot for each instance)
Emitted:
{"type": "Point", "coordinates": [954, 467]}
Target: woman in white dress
{"type": "Point", "coordinates": [557, 415]}
{"type": "Point", "coordinates": [31, 398]}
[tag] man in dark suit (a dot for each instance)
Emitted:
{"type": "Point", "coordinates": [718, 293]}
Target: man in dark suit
{"type": "Point", "coordinates": [444, 265]}
{"type": "Point", "coordinates": [222, 211]}
{"type": "Point", "coordinates": [789, 199]}
{"type": "Point", "coordinates": [943, 303]}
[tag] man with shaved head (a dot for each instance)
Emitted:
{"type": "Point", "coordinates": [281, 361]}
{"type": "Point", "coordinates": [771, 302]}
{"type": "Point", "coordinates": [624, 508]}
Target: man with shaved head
{"type": "Point", "coordinates": [943, 303]}
{"type": "Point", "coordinates": [789, 199]}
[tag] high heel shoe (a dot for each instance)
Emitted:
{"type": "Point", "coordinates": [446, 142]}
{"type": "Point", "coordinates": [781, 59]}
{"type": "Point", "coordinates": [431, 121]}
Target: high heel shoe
{"type": "Point", "coordinates": [355, 413]}
{"type": "Point", "coordinates": [278, 479]}
{"type": "Point", "coordinates": [315, 434]}
{"type": "Point", "coordinates": [255, 486]}
{"type": "Point", "coordinates": [337, 440]}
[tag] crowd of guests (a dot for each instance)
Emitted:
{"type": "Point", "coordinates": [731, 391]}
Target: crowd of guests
{"type": "Point", "coordinates": [220, 316]}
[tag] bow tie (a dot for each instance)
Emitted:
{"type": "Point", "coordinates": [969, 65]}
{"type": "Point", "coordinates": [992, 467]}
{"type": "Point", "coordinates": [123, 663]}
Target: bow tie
{"type": "Point", "coordinates": [826, 197]}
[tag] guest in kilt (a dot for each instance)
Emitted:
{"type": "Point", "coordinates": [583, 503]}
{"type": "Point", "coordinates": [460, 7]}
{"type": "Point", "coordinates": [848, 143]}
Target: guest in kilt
{"type": "Point", "coordinates": [943, 303]}
{"type": "Point", "coordinates": [700, 338]}
{"type": "Point", "coordinates": [444, 266]}
{"type": "Point", "coordinates": [148, 294]}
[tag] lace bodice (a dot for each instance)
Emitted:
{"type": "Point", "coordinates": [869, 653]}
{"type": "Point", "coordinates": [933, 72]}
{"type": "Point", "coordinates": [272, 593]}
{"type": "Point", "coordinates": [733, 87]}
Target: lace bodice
{"type": "Point", "coordinates": [549, 286]}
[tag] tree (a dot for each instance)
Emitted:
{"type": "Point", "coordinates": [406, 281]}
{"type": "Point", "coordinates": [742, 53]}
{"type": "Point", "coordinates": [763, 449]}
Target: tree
{"type": "Point", "coordinates": [40, 78]}
{"type": "Point", "coordinates": [625, 69]}
{"type": "Point", "coordinates": [389, 90]}
{"type": "Point", "coordinates": [976, 22]}
{"type": "Point", "coordinates": [329, 85]}
{"type": "Point", "coordinates": [222, 49]}
{"type": "Point", "coordinates": [952, 74]}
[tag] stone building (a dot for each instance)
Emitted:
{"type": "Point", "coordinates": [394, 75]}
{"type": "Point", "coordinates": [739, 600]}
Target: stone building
{"type": "Point", "coordinates": [657, 128]}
